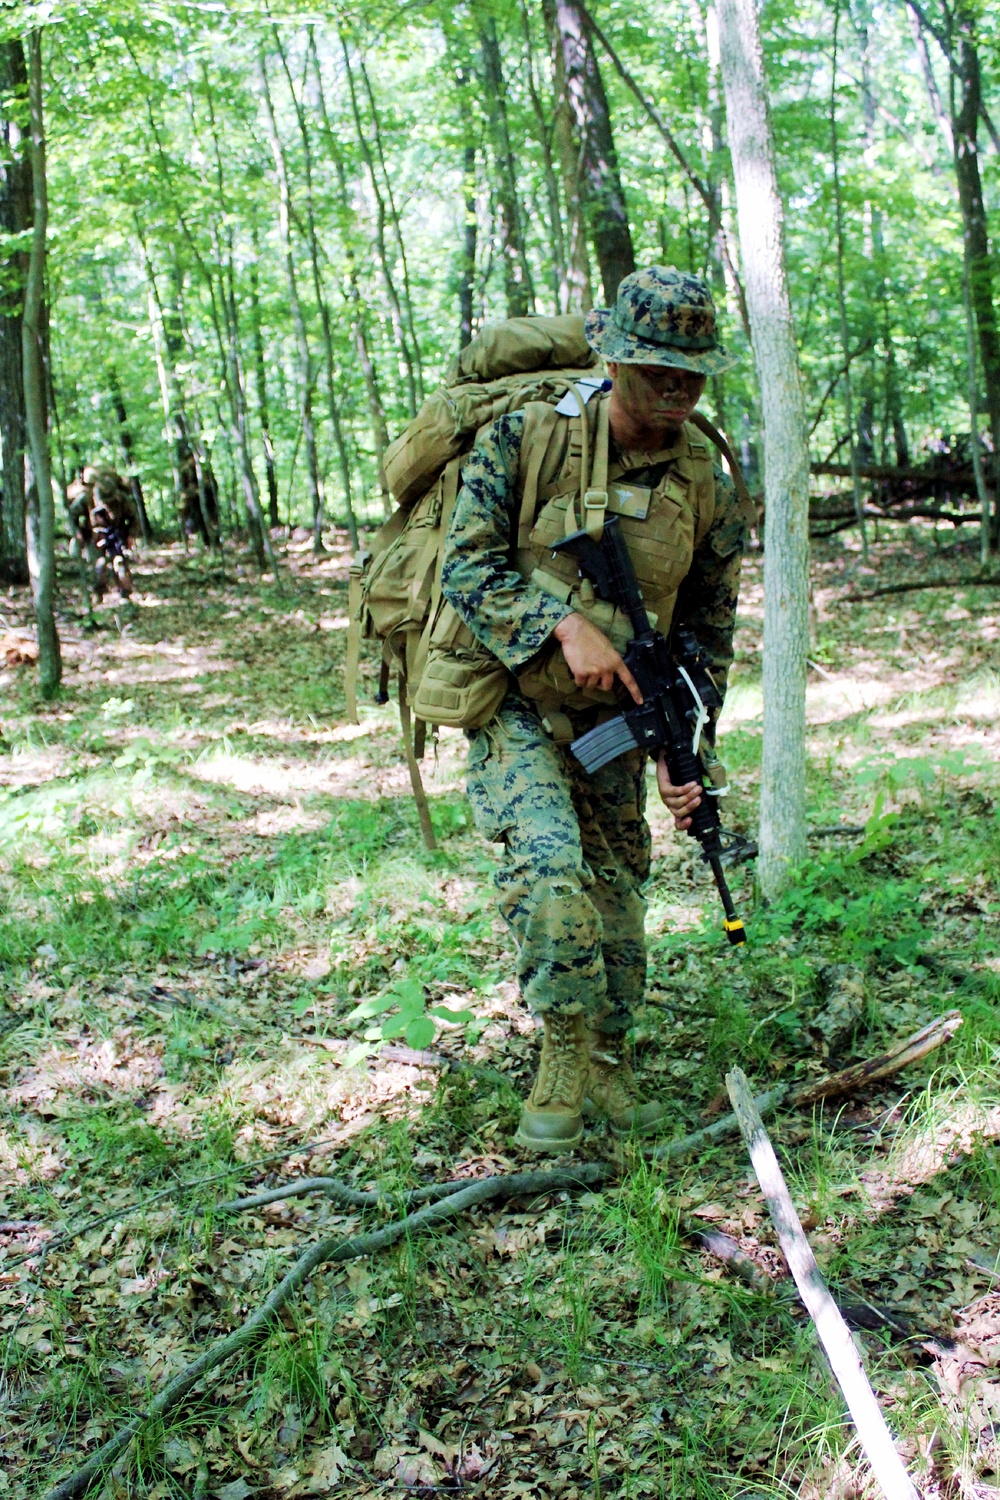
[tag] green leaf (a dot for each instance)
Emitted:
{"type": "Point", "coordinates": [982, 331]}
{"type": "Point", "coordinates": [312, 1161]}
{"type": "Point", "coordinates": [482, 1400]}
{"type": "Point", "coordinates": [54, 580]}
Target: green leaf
{"type": "Point", "coordinates": [410, 992]}
{"type": "Point", "coordinates": [358, 1054]}
{"type": "Point", "coordinates": [420, 1033]}
{"type": "Point", "coordinates": [373, 1007]}
{"type": "Point", "coordinates": [457, 1017]}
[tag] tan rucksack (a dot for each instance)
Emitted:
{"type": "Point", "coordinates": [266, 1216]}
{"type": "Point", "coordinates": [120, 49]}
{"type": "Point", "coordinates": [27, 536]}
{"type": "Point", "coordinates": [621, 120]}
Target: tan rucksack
{"type": "Point", "coordinates": [395, 585]}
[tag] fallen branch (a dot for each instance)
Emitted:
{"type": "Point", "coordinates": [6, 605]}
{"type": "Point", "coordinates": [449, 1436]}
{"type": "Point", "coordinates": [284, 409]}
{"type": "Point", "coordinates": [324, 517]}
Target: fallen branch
{"type": "Point", "coordinates": [849, 1080]}
{"type": "Point", "coordinates": [834, 1334]}
{"type": "Point", "coordinates": [340, 1192]}
{"type": "Point", "coordinates": [929, 583]}
{"type": "Point", "coordinates": [336, 1251]}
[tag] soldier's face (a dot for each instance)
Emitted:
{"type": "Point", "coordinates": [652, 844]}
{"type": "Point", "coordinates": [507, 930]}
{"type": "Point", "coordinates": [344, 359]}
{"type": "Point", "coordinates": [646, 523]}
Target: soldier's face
{"type": "Point", "coordinates": [656, 396]}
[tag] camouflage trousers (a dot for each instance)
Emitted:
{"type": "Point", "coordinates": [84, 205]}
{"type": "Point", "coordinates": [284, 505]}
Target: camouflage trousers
{"type": "Point", "coordinates": [575, 855]}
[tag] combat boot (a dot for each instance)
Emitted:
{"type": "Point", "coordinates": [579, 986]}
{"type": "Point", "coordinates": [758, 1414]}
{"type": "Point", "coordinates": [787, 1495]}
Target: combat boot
{"type": "Point", "coordinates": [612, 1090]}
{"type": "Point", "coordinates": [552, 1118]}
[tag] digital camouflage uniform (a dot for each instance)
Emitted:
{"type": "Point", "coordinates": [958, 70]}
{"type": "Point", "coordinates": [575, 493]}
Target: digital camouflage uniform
{"type": "Point", "coordinates": [576, 847]}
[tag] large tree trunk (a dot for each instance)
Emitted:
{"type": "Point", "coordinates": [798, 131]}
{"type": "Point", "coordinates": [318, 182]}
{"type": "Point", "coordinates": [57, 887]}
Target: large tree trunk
{"type": "Point", "coordinates": [978, 264]}
{"type": "Point", "coordinates": [15, 218]}
{"type": "Point", "coordinates": [470, 220]}
{"type": "Point", "coordinates": [41, 511]}
{"type": "Point", "coordinates": [603, 196]}
{"type": "Point", "coordinates": [786, 460]}
{"type": "Point", "coordinates": [517, 275]}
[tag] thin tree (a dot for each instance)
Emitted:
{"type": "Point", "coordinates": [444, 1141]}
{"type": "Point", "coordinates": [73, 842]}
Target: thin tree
{"type": "Point", "coordinates": [786, 460]}
{"type": "Point", "coordinates": [470, 217]}
{"type": "Point", "coordinates": [359, 311]}
{"type": "Point", "coordinates": [545, 130]}
{"type": "Point", "coordinates": [845, 334]}
{"type": "Point", "coordinates": [319, 293]}
{"type": "Point", "coordinates": [15, 219]}
{"type": "Point", "coordinates": [603, 194]}
{"type": "Point", "coordinates": [518, 287]}
{"type": "Point", "coordinates": [306, 377]}
{"type": "Point", "coordinates": [260, 379]}
{"type": "Point", "coordinates": [577, 294]}
{"type": "Point", "coordinates": [40, 509]}
{"type": "Point", "coordinates": [127, 444]}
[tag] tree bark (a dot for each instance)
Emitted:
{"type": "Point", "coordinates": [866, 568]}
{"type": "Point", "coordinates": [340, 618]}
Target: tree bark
{"type": "Point", "coordinates": [321, 303]}
{"type": "Point", "coordinates": [15, 219]}
{"type": "Point", "coordinates": [41, 510]}
{"type": "Point", "coordinates": [359, 322]}
{"type": "Point", "coordinates": [978, 262]}
{"type": "Point", "coordinates": [392, 296]}
{"type": "Point", "coordinates": [577, 293]}
{"type": "Point", "coordinates": [470, 221]}
{"type": "Point", "coordinates": [786, 460]}
{"type": "Point", "coordinates": [517, 274]}
{"type": "Point", "coordinates": [298, 318]}
{"type": "Point", "coordinates": [260, 376]}
{"type": "Point", "coordinates": [845, 335]}
{"type": "Point", "coordinates": [546, 131]}
{"type": "Point", "coordinates": [128, 451]}
{"type": "Point", "coordinates": [603, 196]}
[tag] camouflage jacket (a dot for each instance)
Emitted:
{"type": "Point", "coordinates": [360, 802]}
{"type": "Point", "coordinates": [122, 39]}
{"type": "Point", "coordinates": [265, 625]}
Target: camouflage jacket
{"type": "Point", "coordinates": [512, 616]}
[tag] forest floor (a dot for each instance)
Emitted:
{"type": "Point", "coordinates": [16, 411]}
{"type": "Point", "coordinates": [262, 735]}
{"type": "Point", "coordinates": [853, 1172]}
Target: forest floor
{"type": "Point", "coordinates": [205, 869]}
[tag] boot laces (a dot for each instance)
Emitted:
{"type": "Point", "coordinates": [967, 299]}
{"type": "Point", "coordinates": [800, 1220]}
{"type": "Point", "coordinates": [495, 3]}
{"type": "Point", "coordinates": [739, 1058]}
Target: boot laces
{"type": "Point", "coordinates": [561, 1061]}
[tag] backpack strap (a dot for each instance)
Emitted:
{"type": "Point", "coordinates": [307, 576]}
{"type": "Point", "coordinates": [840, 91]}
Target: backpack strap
{"type": "Point", "coordinates": [747, 506]}
{"type": "Point", "coordinates": [354, 610]}
{"type": "Point", "coordinates": [449, 494]}
{"type": "Point", "coordinates": [416, 784]}
{"type": "Point", "coordinates": [595, 495]}
{"type": "Point", "coordinates": [541, 435]}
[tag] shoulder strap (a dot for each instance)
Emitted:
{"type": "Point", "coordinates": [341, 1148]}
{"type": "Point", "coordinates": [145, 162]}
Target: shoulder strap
{"type": "Point", "coordinates": [714, 435]}
{"type": "Point", "coordinates": [538, 433]}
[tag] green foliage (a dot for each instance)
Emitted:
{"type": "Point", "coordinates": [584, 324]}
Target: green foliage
{"type": "Point", "coordinates": [412, 1018]}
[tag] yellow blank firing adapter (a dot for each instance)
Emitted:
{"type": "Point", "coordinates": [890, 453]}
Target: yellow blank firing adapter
{"type": "Point", "coordinates": [735, 931]}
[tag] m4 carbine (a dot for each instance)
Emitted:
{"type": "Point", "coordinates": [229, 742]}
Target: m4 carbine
{"type": "Point", "coordinates": [678, 694]}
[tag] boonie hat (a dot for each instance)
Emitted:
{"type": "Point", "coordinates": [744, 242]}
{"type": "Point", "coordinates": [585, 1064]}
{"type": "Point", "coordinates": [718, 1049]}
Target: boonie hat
{"type": "Point", "coordinates": [661, 316]}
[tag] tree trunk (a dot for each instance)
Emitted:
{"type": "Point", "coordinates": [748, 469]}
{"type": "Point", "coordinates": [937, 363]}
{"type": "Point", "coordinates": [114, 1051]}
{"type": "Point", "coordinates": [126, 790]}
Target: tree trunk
{"type": "Point", "coordinates": [324, 310]}
{"type": "Point", "coordinates": [603, 196]}
{"type": "Point", "coordinates": [786, 460]}
{"type": "Point", "coordinates": [298, 318]}
{"type": "Point", "coordinates": [545, 138]}
{"type": "Point", "coordinates": [260, 375]}
{"type": "Point", "coordinates": [15, 218]}
{"type": "Point", "coordinates": [517, 274]}
{"type": "Point", "coordinates": [577, 294]}
{"type": "Point", "coordinates": [41, 511]}
{"type": "Point", "coordinates": [359, 329]}
{"type": "Point", "coordinates": [978, 263]}
{"type": "Point", "coordinates": [470, 222]}
{"type": "Point", "coordinates": [392, 296]}
{"type": "Point", "coordinates": [845, 335]}
{"type": "Point", "coordinates": [128, 451]}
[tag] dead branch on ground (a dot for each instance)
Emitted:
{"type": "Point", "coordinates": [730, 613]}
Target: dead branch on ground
{"type": "Point", "coordinates": [848, 1081]}
{"type": "Point", "coordinates": [335, 1251]}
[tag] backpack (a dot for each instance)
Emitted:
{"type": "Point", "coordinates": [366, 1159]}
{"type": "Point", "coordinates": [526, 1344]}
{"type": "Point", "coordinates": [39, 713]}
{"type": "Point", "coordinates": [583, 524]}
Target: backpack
{"type": "Point", "coordinates": [445, 675]}
{"type": "Point", "coordinates": [395, 584]}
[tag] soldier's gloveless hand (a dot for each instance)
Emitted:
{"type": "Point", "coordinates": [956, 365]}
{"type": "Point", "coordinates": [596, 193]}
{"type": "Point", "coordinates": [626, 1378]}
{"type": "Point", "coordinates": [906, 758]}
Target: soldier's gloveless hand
{"type": "Point", "coordinates": [681, 801]}
{"type": "Point", "coordinates": [591, 658]}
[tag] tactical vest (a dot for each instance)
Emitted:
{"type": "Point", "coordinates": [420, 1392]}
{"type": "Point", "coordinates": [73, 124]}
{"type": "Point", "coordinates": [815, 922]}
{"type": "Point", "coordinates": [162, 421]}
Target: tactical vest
{"type": "Point", "coordinates": [560, 490]}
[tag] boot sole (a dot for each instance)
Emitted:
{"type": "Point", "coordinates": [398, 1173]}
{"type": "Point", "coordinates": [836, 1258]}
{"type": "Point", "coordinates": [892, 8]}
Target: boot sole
{"type": "Point", "coordinates": [548, 1148]}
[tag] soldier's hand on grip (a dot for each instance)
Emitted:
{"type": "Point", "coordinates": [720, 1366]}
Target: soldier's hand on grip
{"type": "Point", "coordinates": [591, 658]}
{"type": "Point", "coordinates": [681, 801]}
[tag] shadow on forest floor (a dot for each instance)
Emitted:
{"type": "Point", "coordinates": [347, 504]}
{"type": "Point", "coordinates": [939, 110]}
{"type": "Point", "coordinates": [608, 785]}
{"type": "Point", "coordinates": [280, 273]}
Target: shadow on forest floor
{"type": "Point", "coordinates": [205, 871]}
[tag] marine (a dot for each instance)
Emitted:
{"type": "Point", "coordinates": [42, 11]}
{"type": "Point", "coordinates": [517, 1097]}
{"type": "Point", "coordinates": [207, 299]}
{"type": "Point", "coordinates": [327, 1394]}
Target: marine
{"type": "Point", "coordinates": [105, 517]}
{"type": "Point", "coordinates": [575, 848]}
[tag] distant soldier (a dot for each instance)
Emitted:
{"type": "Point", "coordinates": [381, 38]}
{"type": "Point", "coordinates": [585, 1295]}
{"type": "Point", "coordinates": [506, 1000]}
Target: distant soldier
{"type": "Point", "coordinates": [104, 514]}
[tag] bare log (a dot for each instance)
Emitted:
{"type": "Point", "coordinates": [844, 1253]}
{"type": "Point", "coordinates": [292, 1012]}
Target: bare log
{"type": "Point", "coordinates": [341, 1192]}
{"type": "Point", "coordinates": [336, 1251]}
{"type": "Point", "coordinates": [834, 1334]}
{"type": "Point", "coordinates": [927, 583]}
{"type": "Point", "coordinates": [849, 1080]}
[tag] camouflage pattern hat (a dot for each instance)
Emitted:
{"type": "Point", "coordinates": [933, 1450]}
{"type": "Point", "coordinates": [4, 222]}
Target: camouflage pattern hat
{"type": "Point", "coordinates": [661, 316]}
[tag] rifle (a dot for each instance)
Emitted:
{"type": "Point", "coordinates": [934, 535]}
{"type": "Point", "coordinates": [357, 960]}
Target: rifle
{"type": "Point", "coordinates": [678, 693]}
